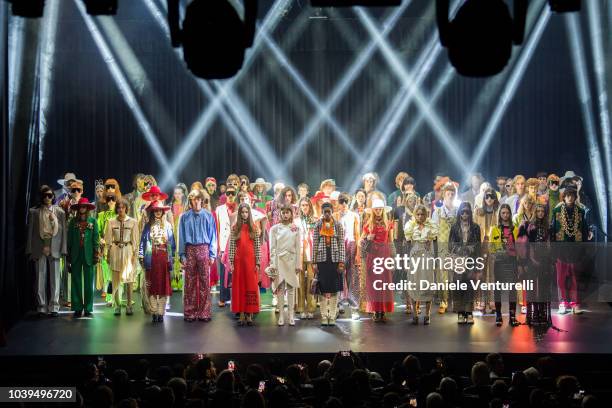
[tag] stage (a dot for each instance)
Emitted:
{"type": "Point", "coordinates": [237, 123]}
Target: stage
{"type": "Point", "coordinates": [106, 334]}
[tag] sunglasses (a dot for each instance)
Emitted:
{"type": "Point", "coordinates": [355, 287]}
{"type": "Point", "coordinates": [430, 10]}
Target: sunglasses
{"type": "Point", "coordinates": [76, 190]}
{"type": "Point", "coordinates": [508, 185]}
{"type": "Point", "coordinates": [554, 183]}
{"type": "Point", "coordinates": [230, 193]}
{"type": "Point", "coordinates": [110, 198]}
{"type": "Point", "coordinates": [490, 196]}
{"type": "Point", "coordinates": [211, 185]}
{"type": "Point", "coordinates": [109, 186]}
{"type": "Point", "coordinates": [343, 201]}
{"type": "Point", "coordinates": [48, 195]}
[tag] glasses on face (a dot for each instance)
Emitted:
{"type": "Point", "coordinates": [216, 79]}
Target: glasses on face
{"type": "Point", "coordinates": [343, 201]}
{"type": "Point", "coordinates": [489, 197]}
{"type": "Point", "coordinates": [554, 183]}
{"type": "Point", "coordinates": [76, 190]}
{"type": "Point", "coordinates": [508, 185]}
{"type": "Point", "coordinates": [210, 185]}
{"type": "Point", "coordinates": [109, 186]}
{"type": "Point", "coordinates": [230, 193]}
{"type": "Point", "coordinates": [48, 195]}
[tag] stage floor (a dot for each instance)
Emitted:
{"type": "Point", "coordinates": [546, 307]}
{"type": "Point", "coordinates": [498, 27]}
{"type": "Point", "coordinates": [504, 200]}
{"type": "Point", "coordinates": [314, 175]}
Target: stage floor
{"type": "Point", "coordinates": [107, 334]}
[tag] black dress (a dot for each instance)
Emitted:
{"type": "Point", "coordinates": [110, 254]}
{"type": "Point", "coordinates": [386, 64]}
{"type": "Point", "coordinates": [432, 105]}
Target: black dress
{"type": "Point", "coordinates": [330, 280]}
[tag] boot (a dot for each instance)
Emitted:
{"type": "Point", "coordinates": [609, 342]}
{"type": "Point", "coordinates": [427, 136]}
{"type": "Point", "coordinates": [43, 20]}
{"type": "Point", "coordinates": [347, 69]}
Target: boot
{"type": "Point", "coordinates": [333, 310]}
{"type": "Point", "coordinates": [324, 311]}
{"type": "Point", "coordinates": [291, 306]}
{"type": "Point", "coordinates": [281, 308]}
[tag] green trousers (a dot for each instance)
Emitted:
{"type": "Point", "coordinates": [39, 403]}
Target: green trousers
{"type": "Point", "coordinates": [82, 278]}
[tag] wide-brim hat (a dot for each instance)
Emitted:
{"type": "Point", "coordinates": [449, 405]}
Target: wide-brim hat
{"type": "Point", "coordinates": [154, 190]}
{"type": "Point", "coordinates": [378, 203]}
{"type": "Point", "coordinates": [83, 202]}
{"type": "Point", "coordinates": [67, 177]}
{"type": "Point", "coordinates": [157, 205]}
{"type": "Point", "coordinates": [261, 182]}
{"type": "Point", "coordinates": [569, 175]}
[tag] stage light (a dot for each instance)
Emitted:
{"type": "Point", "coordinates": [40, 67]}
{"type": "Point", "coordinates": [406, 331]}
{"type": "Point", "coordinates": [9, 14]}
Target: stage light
{"type": "Point", "coordinates": [565, 6]}
{"type": "Point", "coordinates": [480, 37]}
{"type": "Point", "coordinates": [351, 3]}
{"type": "Point", "coordinates": [101, 7]}
{"type": "Point", "coordinates": [28, 8]}
{"type": "Point", "coordinates": [213, 36]}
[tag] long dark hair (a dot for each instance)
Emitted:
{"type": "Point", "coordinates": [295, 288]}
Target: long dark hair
{"type": "Point", "coordinates": [464, 206]}
{"type": "Point", "coordinates": [239, 222]}
{"type": "Point", "coordinates": [501, 207]}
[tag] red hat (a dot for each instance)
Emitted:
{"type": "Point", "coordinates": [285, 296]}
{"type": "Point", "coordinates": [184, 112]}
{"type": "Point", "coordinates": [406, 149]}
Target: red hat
{"type": "Point", "coordinates": [214, 180]}
{"type": "Point", "coordinates": [157, 205]}
{"type": "Point", "coordinates": [83, 202]}
{"type": "Point", "coordinates": [154, 190]}
{"type": "Point", "coordinates": [319, 196]}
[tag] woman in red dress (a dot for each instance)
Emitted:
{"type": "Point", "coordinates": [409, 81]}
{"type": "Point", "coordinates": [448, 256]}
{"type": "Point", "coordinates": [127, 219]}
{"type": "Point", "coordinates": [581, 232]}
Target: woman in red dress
{"type": "Point", "coordinates": [376, 242]}
{"type": "Point", "coordinates": [244, 257]}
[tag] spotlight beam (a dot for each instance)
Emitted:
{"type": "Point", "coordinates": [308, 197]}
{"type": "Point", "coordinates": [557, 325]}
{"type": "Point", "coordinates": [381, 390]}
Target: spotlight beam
{"type": "Point", "coordinates": [124, 89]}
{"type": "Point", "coordinates": [435, 121]}
{"type": "Point", "coordinates": [411, 132]}
{"type": "Point", "coordinates": [16, 39]}
{"type": "Point", "coordinates": [310, 95]}
{"type": "Point", "coordinates": [596, 32]}
{"type": "Point", "coordinates": [509, 91]}
{"type": "Point", "coordinates": [341, 88]}
{"type": "Point", "coordinates": [394, 115]}
{"type": "Point", "coordinates": [47, 65]}
{"type": "Point", "coordinates": [574, 36]}
{"type": "Point", "coordinates": [391, 120]}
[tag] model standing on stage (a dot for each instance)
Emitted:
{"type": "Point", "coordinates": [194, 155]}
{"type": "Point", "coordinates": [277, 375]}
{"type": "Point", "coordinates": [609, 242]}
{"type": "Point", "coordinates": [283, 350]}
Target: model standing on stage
{"type": "Point", "coordinates": [421, 233]}
{"type": "Point", "coordinates": [464, 241]}
{"type": "Point", "coordinates": [46, 245]}
{"type": "Point", "coordinates": [519, 189]}
{"type": "Point", "coordinates": [444, 217]}
{"type": "Point", "coordinates": [486, 217]}
{"type": "Point", "coordinates": [568, 225]}
{"type": "Point", "coordinates": [306, 304]}
{"type": "Point", "coordinates": [401, 215]}
{"type": "Point", "coordinates": [198, 251]}
{"type": "Point", "coordinates": [244, 257]}
{"type": "Point", "coordinates": [180, 204]}
{"type": "Point", "coordinates": [539, 268]}
{"type": "Point", "coordinates": [376, 242]}
{"type": "Point", "coordinates": [226, 218]}
{"type": "Point", "coordinates": [503, 249]}
{"type": "Point", "coordinates": [112, 194]}
{"type": "Point", "coordinates": [83, 250]}
{"type": "Point", "coordinates": [350, 224]}
{"type": "Point", "coordinates": [156, 252]}
{"type": "Point", "coordinates": [285, 262]}
{"type": "Point", "coordinates": [329, 259]}
{"type": "Point", "coordinates": [260, 189]}
{"type": "Point", "coordinates": [122, 242]}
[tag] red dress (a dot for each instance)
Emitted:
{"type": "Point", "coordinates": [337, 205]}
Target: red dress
{"type": "Point", "coordinates": [379, 247]}
{"type": "Point", "coordinates": [245, 289]}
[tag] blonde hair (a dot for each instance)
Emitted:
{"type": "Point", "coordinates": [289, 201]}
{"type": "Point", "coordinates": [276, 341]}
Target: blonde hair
{"type": "Point", "coordinates": [521, 210]}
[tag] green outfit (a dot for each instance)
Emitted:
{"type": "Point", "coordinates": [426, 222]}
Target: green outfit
{"type": "Point", "coordinates": [102, 269]}
{"type": "Point", "coordinates": [83, 244]}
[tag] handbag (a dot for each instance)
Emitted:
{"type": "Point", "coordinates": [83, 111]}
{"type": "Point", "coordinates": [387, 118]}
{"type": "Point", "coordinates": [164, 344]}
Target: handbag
{"type": "Point", "coordinates": [314, 286]}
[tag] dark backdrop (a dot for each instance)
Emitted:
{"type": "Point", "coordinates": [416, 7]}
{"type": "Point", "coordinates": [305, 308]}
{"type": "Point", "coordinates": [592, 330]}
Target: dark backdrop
{"type": "Point", "coordinates": [91, 129]}
{"type": "Point", "coordinates": [92, 132]}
